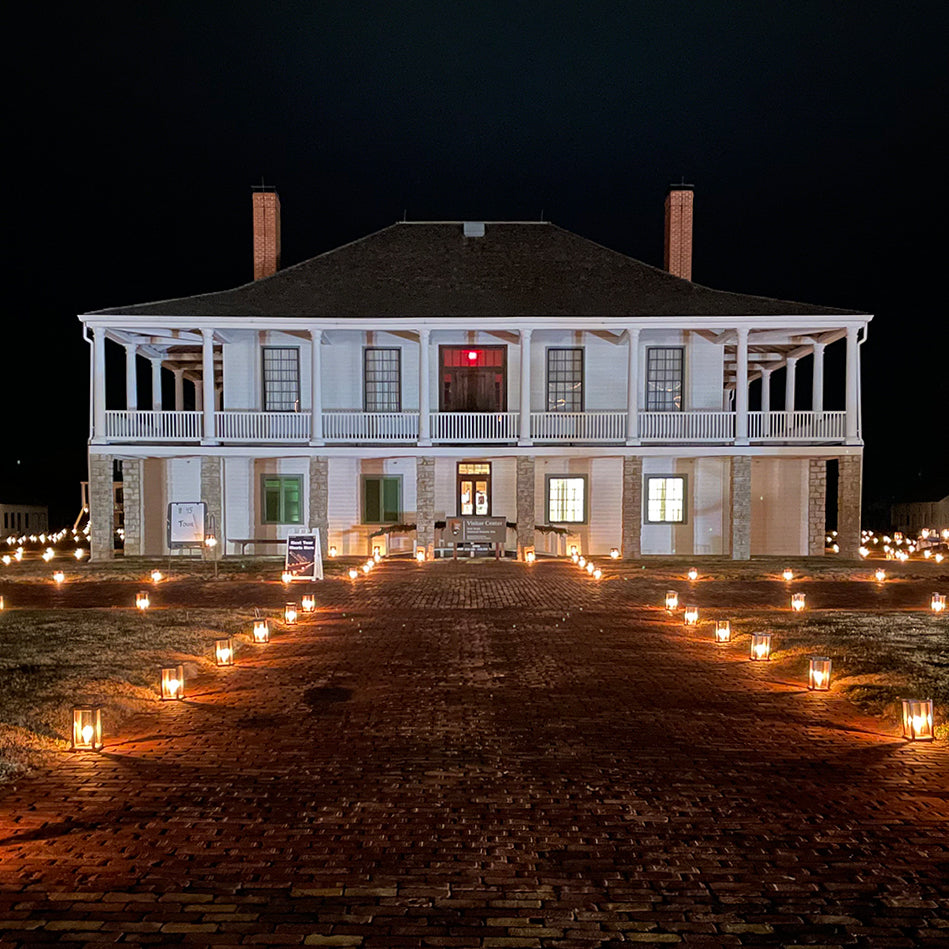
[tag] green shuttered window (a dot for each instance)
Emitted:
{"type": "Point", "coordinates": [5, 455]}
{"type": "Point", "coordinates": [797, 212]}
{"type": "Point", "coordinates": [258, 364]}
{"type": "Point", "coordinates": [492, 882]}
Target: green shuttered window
{"type": "Point", "coordinates": [282, 499]}
{"type": "Point", "coordinates": [381, 499]}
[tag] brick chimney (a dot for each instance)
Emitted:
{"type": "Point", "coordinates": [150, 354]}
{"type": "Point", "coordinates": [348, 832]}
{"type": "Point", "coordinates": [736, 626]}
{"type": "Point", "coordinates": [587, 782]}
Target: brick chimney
{"type": "Point", "coordinates": [266, 231]}
{"type": "Point", "coordinates": [678, 256]}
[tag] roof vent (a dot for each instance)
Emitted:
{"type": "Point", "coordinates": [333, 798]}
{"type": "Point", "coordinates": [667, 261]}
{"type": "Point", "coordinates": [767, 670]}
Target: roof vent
{"type": "Point", "coordinates": [474, 228]}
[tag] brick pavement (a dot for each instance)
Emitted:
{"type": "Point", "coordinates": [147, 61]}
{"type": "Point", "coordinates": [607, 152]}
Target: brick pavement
{"type": "Point", "coordinates": [476, 755]}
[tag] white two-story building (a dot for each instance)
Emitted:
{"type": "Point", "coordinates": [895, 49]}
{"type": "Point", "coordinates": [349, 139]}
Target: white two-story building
{"type": "Point", "coordinates": [509, 368]}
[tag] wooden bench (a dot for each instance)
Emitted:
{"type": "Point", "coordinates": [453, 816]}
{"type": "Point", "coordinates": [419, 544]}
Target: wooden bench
{"type": "Point", "coordinates": [246, 542]}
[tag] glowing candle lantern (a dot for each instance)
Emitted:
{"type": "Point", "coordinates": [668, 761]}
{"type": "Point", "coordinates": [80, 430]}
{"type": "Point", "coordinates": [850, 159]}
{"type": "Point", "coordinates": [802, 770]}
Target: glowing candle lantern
{"type": "Point", "coordinates": [575, 557]}
{"type": "Point", "coordinates": [723, 631]}
{"type": "Point", "coordinates": [353, 573]}
{"type": "Point", "coordinates": [614, 553]}
{"type": "Point", "coordinates": [530, 556]}
{"type": "Point", "coordinates": [172, 683]}
{"type": "Point", "coordinates": [142, 601]}
{"type": "Point", "coordinates": [18, 554]}
{"type": "Point", "coordinates": [157, 576]}
{"type": "Point", "coordinates": [420, 555]}
{"type": "Point", "coordinates": [938, 603]}
{"type": "Point", "coordinates": [261, 631]}
{"type": "Point", "coordinates": [918, 719]}
{"type": "Point", "coordinates": [47, 555]}
{"type": "Point", "coordinates": [59, 576]}
{"type": "Point", "coordinates": [691, 616]}
{"type": "Point", "coordinates": [308, 602]}
{"type": "Point", "coordinates": [880, 575]}
{"type": "Point", "coordinates": [591, 566]}
{"type": "Point", "coordinates": [582, 562]}
{"type": "Point", "coordinates": [939, 558]}
{"type": "Point", "coordinates": [333, 552]}
{"type": "Point", "coordinates": [818, 674]}
{"type": "Point", "coordinates": [79, 553]}
{"type": "Point", "coordinates": [788, 574]}
{"type": "Point", "coordinates": [290, 614]}
{"type": "Point", "coordinates": [760, 647]}
{"type": "Point", "coordinates": [366, 568]}
{"type": "Point", "coordinates": [224, 652]}
{"type": "Point", "coordinates": [797, 602]}
{"type": "Point", "coordinates": [597, 573]}
{"type": "Point", "coordinates": [693, 573]}
{"type": "Point", "coordinates": [863, 551]}
{"type": "Point", "coordinates": [377, 554]}
{"type": "Point", "coordinates": [1, 603]}
{"type": "Point", "coordinates": [574, 551]}
{"type": "Point", "coordinates": [672, 600]}
{"type": "Point", "coordinates": [927, 554]}
{"type": "Point", "coordinates": [7, 560]}
{"type": "Point", "coordinates": [210, 541]}
{"type": "Point", "coordinates": [286, 576]}
{"type": "Point", "coordinates": [86, 728]}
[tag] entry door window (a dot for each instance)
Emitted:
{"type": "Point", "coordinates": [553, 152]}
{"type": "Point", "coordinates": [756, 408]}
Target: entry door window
{"type": "Point", "coordinates": [473, 378]}
{"type": "Point", "coordinates": [474, 488]}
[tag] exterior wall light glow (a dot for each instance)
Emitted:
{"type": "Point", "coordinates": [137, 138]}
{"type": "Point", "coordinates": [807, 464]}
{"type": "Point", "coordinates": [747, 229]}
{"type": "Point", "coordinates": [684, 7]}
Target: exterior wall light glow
{"type": "Point", "coordinates": [142, 601]}
{"type": "Point", "coordinates": [797, 602]}
{"type": "Point", "coordinates": [172, 683]}
{"type": "Point", "coordinates": [918, 719]}
{"type": "Point", "coordinates": [86, 728]}
{"type": "Point", "coordinates": [224, 652]}
{"type": "Point", "coordinates": [672, 600]}
{"type": "Point", "coordinates": [818, 674]}
{"type": "Point", "coordinates": [938, 603]}
{"type": "Point", "coordinates": [290, 614]}
{"type": "Point", "coordinates": [691, 617]}
{"type": "Point", "coordinates": [723, 631]}
{"type": "Point", "coordinates": [261, 631]}
{"type": "Point", "coordinates": [760, 647]}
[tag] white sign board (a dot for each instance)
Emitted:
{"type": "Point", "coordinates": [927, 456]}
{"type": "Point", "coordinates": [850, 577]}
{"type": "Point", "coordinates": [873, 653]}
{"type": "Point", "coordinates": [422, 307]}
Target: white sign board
{"type": "Point", "coordinates": [186, 520]}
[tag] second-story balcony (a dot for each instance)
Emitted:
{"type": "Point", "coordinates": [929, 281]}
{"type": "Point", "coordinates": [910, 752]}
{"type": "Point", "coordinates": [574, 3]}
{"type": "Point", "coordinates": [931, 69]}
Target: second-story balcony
{"type": "Point", "coordinates": [474, 428]}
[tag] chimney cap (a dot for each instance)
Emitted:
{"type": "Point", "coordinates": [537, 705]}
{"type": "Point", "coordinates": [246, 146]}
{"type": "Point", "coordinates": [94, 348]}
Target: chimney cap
{"type": "Point", "coordinates": [263, 187]}
{"type": "Point", "coordinates": [682, 186]}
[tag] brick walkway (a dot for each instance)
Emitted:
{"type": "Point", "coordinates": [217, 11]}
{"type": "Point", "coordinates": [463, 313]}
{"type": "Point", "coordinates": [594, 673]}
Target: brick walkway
{"type": "Point", "coordinates": [478, 755]}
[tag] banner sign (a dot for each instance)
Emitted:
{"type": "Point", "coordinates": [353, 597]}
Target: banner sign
{"type": "Point", "coordinates": [476, 529]}
{"type": "Point", "coordinates": [186, 520]}
{"type": "Point", "coordinates": [304, 560]}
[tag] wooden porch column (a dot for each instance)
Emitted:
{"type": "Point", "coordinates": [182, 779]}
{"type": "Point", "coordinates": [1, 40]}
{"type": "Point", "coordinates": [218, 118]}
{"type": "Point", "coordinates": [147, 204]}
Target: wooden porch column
{"type": "Point", "coordinates": [632, 387]}
{"type": "Point", "coordinates": [424, 399]}
{"type": "Point", "coordinates": [207, 387]}
{"type": "Point", "coordinates": [817, 398]}
{"type": "Point", "coordinates": [741, 388]}
{"type": "Point", "coordinates": [790, 383]}
{"type": "Point", "coordinates": [524, 420]}
{"type": "Point", "coordinates": [131, 378]}
{"type": "Point", "coordinates": [179, 389]}
{"type": "Point", "coordinates": [316, 389]}
{"type": "Point", "coordinates": [853, 387]}
{"type": "Point", "coordinates": [766, 402]}
{"type": "Point", "coordinates": [98, 387]}
{"type": "Point", "coordinates": [156, 383]}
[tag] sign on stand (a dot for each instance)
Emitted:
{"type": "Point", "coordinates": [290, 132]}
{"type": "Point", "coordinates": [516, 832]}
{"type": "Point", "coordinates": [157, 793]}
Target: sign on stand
{"type": "Point", "coordinates": [304, 560]}
{"type": "Point", "coordinates": [477, 529]}
{"type": "Point", "coordinates": [186, 524]}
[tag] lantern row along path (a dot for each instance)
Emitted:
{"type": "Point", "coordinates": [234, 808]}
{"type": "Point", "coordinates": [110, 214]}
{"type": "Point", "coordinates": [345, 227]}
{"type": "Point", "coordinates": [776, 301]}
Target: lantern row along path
{"type": "Point", "coordinates": [488, 755]}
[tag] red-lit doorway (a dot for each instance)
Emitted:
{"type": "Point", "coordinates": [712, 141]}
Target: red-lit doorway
{"type": "Point", "coordinates": [473, 379]}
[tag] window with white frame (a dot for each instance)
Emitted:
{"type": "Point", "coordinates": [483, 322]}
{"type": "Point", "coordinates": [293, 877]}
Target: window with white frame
{"type": "Point", "coordinates": [665, 499]}
{"type": "Point", "coordinates": [382, 379]}
{"type": "Point", "coordinates": [566, 499]}
{"type": "Point", "coordinates": [664, 365]}
{"type": "Point", "coordinates": [281, 379]}
{"type": "Point", "coordinates": [565, 380]}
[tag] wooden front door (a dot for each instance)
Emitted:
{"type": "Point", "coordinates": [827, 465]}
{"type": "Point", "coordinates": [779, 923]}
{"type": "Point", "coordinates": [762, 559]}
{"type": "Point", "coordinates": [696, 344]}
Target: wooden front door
{"type": "Point", "coordinates": [474, 488]}
{"type": "Point", "coordinates": [473, 379]}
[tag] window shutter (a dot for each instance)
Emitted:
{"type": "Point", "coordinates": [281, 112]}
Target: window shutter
{"type": "Point", "coordinates": [272, 500]}
{"type": "Point", "coordinates": [371, 501]}
{"type": "Point", "coordinates": [390, 499]}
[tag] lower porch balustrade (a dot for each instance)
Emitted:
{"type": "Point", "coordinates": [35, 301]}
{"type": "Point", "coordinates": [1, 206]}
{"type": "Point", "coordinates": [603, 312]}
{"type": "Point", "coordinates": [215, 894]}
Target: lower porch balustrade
{"type": "Point", "coordinates": [475, 428]}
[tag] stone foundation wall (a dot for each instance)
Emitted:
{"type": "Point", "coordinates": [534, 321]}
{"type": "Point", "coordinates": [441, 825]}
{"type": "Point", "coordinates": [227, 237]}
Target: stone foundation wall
{"type": "Point", "coordinates": [632, 507]}
{"type": "Point", "coordinates": [849, 492]}
{"type": "Point", "coordinates": [816, 506]}
{"type": "Point", "coordinates": [132, 506]}
{"type": "Point", "coordinates": [526, 518]}
{"type": "Point", "coordinates": [741, 507]}
{"type": "Point", "coordinates": [425, 504]}
{"type": "Point", "coordinates": [319, 499]}
{"type": "Point", "coordinates": [101, 507]}
{"type": "Point", "coordinates": [212, 493]}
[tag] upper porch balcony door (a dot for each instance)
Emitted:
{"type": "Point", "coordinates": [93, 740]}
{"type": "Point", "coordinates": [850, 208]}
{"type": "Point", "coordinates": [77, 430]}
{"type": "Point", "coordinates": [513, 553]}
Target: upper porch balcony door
{"type": "Point", "coordinates": [472, 397]}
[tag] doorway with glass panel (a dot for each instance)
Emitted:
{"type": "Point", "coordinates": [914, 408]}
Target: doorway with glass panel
{"type": "Point", "coordinates": [474, 488]}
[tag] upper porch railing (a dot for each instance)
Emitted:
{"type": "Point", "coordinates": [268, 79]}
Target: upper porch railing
{"type": "Point", "coordinates": [474, 428]}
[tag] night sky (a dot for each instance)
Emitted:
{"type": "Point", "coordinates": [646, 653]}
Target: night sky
{"type": "Point", "coordinates": [810, 131]}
